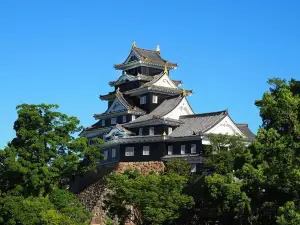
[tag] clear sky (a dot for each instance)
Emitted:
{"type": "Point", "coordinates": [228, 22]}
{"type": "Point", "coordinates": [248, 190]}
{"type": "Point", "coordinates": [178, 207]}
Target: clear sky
{"type": "Point", "coordinates": [63, 51]}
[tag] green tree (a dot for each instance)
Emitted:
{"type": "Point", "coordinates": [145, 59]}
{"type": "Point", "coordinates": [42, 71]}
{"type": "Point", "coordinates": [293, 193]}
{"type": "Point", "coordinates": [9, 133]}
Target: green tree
{"type": "Point", "coordinates": [272, 177]}
{"type": "Point", "coordinates": [44, 154]}
{"type": "Point", "coordinates": [154, 198]}
{"type": "Point", "coordinates": [60, 208]}
{"type": "Point", "coordinates": [180, 167]}
{"type": "Point", "coordinates": [288, 214]}
{"type": "Point", "coordinates": [231, 204]}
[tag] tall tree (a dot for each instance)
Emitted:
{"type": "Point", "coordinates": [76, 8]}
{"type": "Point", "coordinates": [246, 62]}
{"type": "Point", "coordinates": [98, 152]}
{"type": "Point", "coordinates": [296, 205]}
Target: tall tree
{"type": "Point", "coordinates": [154, 198]}
{"type": "Point", "coordinates": [44, 154]}
{"type": "Point", "coordinates": [272, 176]}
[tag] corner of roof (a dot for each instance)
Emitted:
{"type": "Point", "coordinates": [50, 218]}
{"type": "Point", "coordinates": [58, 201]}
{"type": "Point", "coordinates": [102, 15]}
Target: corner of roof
{"type": "Point", "coordinates": [224, 112]}
{"type": "Point", "coordinates": [242, 124]}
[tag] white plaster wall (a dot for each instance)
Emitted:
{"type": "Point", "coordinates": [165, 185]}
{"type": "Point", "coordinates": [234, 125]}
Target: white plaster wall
{"type": "Point", "coordinates": [226, 126]}
{"type": "Point", "coordinates": [165, 81]}
{"type": "Point", "coordinates": [182, 109]}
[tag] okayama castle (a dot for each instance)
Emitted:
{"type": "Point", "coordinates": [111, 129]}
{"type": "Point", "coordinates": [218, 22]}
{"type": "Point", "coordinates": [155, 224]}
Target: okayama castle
{"type": "Point", "coordinates": [149, 118]}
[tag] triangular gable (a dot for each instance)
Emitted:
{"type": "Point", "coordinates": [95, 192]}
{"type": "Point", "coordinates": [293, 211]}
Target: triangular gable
{"type": "Point", "coordinates": [182, 109]}
{"type": "Point", "coordinates": [225, 126]}
{"type": "Point", "coordinates": [126, 77]}
{"type": "Point", "coordinates": [165, 81]}
{"type": "Point", "coordinates": [132, 57]}
{"type": "Point", "coordinates": [116, 106]}
{"type": "Point", "coordinates": [115, 132]}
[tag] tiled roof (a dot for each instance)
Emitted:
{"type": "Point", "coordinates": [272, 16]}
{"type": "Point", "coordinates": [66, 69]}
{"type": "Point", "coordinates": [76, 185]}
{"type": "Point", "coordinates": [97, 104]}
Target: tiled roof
{"type": "Point", "coordinates": [164, 108]}
{"type": "Point", "coordinates": [151, 79]}
{"type": "Point", "coordinates": [134, 139]}
{"type": "Point", "coordinates": [177, 82]}
{"type": "Point", "coordinates": [159, 89]}
{"type": "Point", "coordinates": [130, 78]}
{"type": "Point", "coordinates": [246, 131]}
{"type": "Point", "coordinates": [126, 104]}
{"type": "Point", "coordinates": [108, 96]}
{"type": "Point", "coordinates": [150, 57]}
{"type": "Point", "coordinates": [198, 123]}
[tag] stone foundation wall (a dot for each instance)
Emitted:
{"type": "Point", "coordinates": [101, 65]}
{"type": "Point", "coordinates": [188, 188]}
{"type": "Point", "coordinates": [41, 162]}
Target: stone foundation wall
{"type": "Point", "coordinates": [93, 196]}
{"type": "Point", "coordinates": [143, 167]}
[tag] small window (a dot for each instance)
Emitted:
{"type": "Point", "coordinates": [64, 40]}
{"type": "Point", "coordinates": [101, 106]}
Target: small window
{"type": "Point", "coordinates": [105, 153]}
{"type": "Point", "coordinates": [201, 160]}
{"type": "Point", "coordinates": [140, 131]}
{"type": "Point", "coordinates": [113, 120]}
{"type": "Point", "coordinates": [170, 150]}
{"type": "Point", "coordinates": [193, 148]}
{"type": "Point", "coordinates": [151, 131]}
{"type": "Point", "coordinates": [154, 99]}
{"type": "Point", "coordinates": [182, 149]}
{"type": "Point", "coordinates": [103, 123]}
{"type": "Point", "coordinates": [129, 151]}
{"type": "Point", "coordinates": [113, 153]}
{"type": "Point", "coordinates": [170, 129]}
{"type": "Point", "coordinates": [124, 119]}
{"type": "Point", "coordinates": [146, 150]}
{"type": "Point", "coordinates": [133, 117]}
{"type": "Point", "coordinates": [143, 100]}
{"type": "Point", "coordinates": [193, 168]}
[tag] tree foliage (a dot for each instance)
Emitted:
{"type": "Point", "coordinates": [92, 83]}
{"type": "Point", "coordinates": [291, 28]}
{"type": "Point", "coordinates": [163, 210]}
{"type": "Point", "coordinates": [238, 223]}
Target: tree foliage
{"type": "Point", "coordinates": [154, 198]}
{"type": "Point", "coordinates": [44, 154]}
{"type": "Point", "coordinates": [60, 208]}
{"type": "Point", "coordinates": [39, 163]}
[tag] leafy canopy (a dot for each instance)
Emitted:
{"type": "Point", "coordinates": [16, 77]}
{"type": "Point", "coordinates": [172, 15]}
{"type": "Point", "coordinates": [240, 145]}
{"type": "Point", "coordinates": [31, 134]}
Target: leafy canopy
{"type": "Point", "coordinates": [154, 198]}
{"type": "Point", "coordinates": [44, 154]}
{"type": "Point", "coordinates": [60, 208]}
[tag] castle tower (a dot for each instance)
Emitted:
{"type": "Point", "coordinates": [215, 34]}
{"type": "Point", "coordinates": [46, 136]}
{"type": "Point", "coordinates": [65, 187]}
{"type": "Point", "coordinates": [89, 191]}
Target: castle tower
{"type": "Point", "coordinates": [149, 118]}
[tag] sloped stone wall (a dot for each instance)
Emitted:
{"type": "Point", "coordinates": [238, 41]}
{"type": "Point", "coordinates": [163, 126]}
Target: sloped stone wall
{"type": "Point", "coordinates": [143, 167]}
{"type": "Point", "coordinates": [93, 196]}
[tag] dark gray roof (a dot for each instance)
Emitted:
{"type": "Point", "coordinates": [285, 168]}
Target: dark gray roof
{"type": "Point", "coordinates": [148, 88]}
{"type": "Point", "coordinates": [243, 127]}
{"type": "Point", "coordinates": [148, 56]}
{"type": "Point", "coordinates": [164, 108]}
{"type": "Point", "coordinates": [126, 103]}
{"type": "Point", "coordinates": [150, 79]}
{"type": "Point", "coordinates": [198, 123]}
{"type": "Point", "coordinates": [191, 158]}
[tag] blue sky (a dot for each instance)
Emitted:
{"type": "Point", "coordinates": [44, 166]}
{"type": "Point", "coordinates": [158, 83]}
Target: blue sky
{"type": "Point", "coordinates": [63, 51]}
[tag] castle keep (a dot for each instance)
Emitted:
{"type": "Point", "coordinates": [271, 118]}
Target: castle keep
{"type": "Point", "coordinates": [149, 118]}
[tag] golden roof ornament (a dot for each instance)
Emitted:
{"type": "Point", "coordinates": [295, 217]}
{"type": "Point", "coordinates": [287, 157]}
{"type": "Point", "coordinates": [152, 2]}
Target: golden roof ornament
{"type": "Point", "coordinates": [183, 92]}
{"type": "Point", "coordinates": [157, 48]}
{"type": "Point", "coordinates": [164, 133]}
{"type": "Point", "coordinates": [118, 89]}
{"type": "Point", "coordinates": [166, 68]}
{"type": "Point", "coordinates": [133, 44]}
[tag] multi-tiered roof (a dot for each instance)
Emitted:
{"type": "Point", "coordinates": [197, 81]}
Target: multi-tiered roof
{"type": "Point", "coordinates": [145, 97]}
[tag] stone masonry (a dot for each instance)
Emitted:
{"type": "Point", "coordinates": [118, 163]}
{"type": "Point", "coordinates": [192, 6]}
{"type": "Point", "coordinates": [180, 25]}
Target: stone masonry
{"type": "Point", "coordinates": [93, 196]}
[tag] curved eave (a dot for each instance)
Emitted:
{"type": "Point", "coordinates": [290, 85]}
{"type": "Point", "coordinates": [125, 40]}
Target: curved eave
{"type": "Point", "coordinates": [107, 97]}
{"type": "Point", "coordinates": [119, 113]}
{"type": "Point", "coordinates": [133, 64]}
{"type": "Point", "coordinates": [158, 121]}
{"type": "Point", "coordinates": [158, 89]}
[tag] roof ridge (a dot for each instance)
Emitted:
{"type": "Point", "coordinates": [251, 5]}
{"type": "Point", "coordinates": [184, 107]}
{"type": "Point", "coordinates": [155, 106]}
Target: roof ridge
{"type": "Point", "coordinates": [225, 112]}
{"type": "Point", "coordinates": [145, 49]}
{"type": "Point", "coordinates": [242, 124]}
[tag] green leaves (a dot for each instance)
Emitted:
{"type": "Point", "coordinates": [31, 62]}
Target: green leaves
{"type": "Point", "coordinates": [155, 198]}
{"type": "Point", "coordinates": [60, 208]}
{"type": "Point", "coordinates": [44, 155]}
{"type": "Point", "coordinates": [289, 214]}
